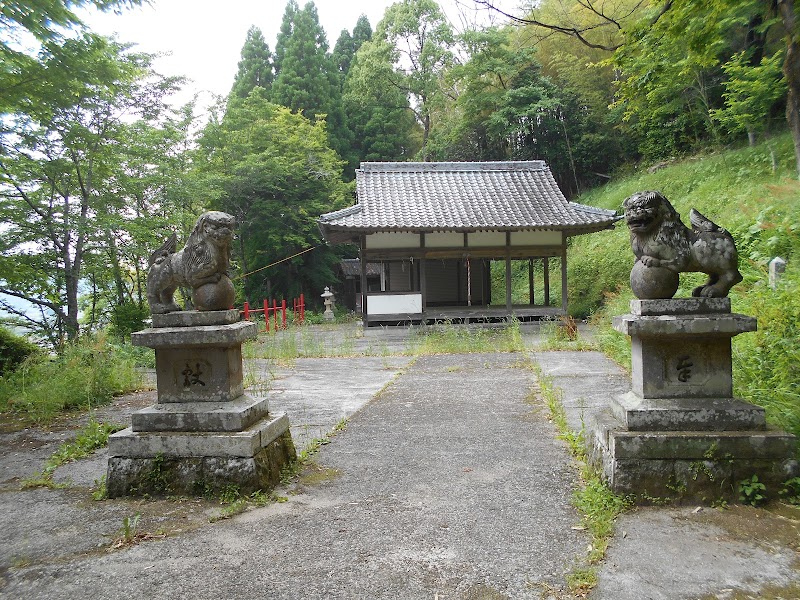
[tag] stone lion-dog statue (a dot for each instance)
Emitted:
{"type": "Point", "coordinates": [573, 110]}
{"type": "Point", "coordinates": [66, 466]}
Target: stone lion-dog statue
{"type": "Point", "coordinates": [202, 265]}
{"type": "Point", "coordinates": [664, 247]}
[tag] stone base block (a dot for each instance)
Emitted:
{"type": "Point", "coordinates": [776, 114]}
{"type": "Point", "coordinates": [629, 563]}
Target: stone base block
{"type": "Point", "coordinates": [236, 415]}
{"type": "Point", "coordinates": [689, 466]}
{"type": "Point", "coordinates": [192, 463]}
{"type": "Point", "coordinates": [161, 475]}
{"type": "Point", "coordinates": [687, 414]}
{"type": "Point", "coordinates": [195, 318]}
{"type": "Point", "coordinates": [246, 444]}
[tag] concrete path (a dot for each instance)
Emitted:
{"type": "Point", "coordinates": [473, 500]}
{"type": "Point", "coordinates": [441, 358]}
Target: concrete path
{"type": "Point", "coordinates": [450, 484]}
{"type": "Point", "coordinates": [447, 483]}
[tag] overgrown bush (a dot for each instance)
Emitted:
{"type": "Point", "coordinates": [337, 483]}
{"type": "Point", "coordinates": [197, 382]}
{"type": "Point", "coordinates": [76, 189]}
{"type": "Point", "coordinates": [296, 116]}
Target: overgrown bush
{"type": "Point", "coordinates": [88, 373]}
{"type": "Point", "coordinates": [14, 350]}
{"type": "Point", "coordinates": [127, 318]}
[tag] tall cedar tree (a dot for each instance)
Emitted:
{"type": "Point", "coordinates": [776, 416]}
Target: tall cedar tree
{"type": "Point", "coordinates": [347, 45]}
{"type": "Point", "coordinates": [306, 80]}
{"type": "Point", "coordinates": [343, 54]}
{"type": "Point", "coordinates": [255, 68]}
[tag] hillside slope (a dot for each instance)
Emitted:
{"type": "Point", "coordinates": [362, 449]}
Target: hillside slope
{"type": "Point", "coordinates": [754, 194]}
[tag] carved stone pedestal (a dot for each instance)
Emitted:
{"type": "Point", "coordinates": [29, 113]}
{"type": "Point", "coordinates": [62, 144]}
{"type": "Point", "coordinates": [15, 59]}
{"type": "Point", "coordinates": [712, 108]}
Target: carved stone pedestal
{"type": "Point", "coordinates": [204, 434]}
{"type": "Point", "coordinates": [680, 433]}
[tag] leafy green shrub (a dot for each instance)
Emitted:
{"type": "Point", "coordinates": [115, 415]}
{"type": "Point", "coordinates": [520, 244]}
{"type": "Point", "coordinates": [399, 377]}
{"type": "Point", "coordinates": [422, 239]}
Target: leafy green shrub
{"type": "Point", "coordinates": [790, 492]}
{"type": "Point", "coordinates": [88, 373]}
{"type": "Point", "coordinates": [752, 491]}
{"type": "Point", "coordinates": [127, 318]}
{"type": "Point", "coordinates": [14, 350]}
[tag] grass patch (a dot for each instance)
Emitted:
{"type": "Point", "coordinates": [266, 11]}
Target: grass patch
{"type": "Point", "coordinates": [292, 470]}
{"type": "Point", "coordinates": [562, 334]}
{"type": "Point", "coordinates": [93, 436]}
{"type": "Point", "coordinates": [598, 505]}
{"type": "Point", "coordinates": [305, 341]}
{"type": "Point", "coordinates": [236, 503]}
{"type": "Point", "coordinates": [447, 338]}
{"type": "Point", "coordinates": [89, 373]}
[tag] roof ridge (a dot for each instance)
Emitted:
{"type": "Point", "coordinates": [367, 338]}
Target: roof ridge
{"type": "Point", "coordinates": [593, 209]}
{"type": "Point", "coordinates": [342, 212]}
{"type": "Point", "coordinates": [433, 167]}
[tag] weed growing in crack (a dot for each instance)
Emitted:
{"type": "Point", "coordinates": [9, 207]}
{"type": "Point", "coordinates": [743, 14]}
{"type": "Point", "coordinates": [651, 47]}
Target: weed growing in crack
{"type": "Point", "coordinates": [598, 505]}
{"type": "Point", "coordinates": [92, 437]}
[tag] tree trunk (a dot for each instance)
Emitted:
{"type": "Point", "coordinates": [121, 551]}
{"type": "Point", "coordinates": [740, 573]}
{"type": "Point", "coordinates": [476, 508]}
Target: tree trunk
{"type": "Point", "coordinates": [791, 70]}
{"type": "Point", "coordinates": [115, 268]}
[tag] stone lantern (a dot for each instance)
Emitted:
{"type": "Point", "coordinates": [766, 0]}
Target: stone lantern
{"type": "Point", "coordinates": [330, 301]}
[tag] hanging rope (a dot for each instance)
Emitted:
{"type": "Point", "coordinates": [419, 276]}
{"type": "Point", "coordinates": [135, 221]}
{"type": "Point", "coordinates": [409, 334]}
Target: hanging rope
{"type": "Point", "coordinates": [243, 275]}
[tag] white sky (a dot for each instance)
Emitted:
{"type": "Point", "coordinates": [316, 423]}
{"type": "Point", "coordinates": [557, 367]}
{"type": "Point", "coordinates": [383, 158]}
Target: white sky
{"type": "Point", "coordinates": [204, 38]}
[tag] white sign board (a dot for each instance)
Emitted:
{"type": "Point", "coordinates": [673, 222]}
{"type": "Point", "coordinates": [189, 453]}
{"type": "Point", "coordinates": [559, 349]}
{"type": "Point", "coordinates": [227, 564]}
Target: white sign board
{"type": "Point", "coordinates": [394, 304]}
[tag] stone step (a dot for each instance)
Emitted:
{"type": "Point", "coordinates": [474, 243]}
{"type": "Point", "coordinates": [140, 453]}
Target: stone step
{"type": "Point", "coordinates": [169, 444]}
{"type": "Point", "coordinates": [234, 415]}
{"type": "Point", "coordinates": [699, 445]}
{"type": "Point", "coordinates": [687, 414]}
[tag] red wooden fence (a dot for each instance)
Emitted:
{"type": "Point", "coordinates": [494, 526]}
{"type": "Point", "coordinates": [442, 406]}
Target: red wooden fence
{"type": "Point", "coordinates": [277, 312]}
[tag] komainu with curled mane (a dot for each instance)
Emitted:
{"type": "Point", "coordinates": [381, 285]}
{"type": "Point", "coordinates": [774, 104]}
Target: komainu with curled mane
{"type": "Point", "coordinates": [202, 265]}
{"type": "Point", "coordinates": [661, 241]}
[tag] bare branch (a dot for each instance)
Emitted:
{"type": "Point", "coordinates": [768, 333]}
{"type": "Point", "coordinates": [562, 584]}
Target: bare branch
{"type": "Point", "coordinates": [579, 32]}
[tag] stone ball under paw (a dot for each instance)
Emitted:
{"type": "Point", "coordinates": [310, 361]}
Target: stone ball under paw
{"type": "Point", "coordinates": [653, 283]}
{"type": "Point", "coordinates": [215, 296]}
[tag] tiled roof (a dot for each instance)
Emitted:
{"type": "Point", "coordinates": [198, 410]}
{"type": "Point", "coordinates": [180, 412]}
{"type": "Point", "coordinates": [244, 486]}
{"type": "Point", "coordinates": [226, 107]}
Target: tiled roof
{"type": "Point", "coordinates": [460, 196]}
{"type": "Point", "coordinates": [351, 267]}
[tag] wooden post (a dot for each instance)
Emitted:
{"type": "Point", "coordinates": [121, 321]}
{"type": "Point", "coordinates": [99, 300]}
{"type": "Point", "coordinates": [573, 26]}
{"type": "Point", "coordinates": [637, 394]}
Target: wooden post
{"type": "Point", "coordinates": [283, 312]}
{"type": "Point", "coordinates": [423, 283]}
{"type": "Point", "coordinates": [246, 311]}
{"type": "Point", "coordinates": [275, 312]}
{"type": "Point", "coordinates": [302, 308]}
{"type": "Point", "coordinates": [508, 273]}
{"type": "Point", "coordinates": [546, 279]}
{"type": "Point", "coordinates": [362, 262]}
{"type": "Point", "coordinates": [530, 282]}
{"type": "Point", "coordinates": [564, 291]}
{"type": "Point", "coordinates": [266, 313]}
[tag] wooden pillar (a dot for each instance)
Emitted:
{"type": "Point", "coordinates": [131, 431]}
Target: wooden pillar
{"type": "Point", "coordinates": [423, 280]}
{"type": "Point", "coordinates": [546, 281]}
{"type": "Point", "coordinates": [564, 292]}
{"type": "Point", "coordinates": [362, 259]}
{"type": "Point", "coordinates": [508, 272]}
{"type": "Point", "coordinates": [530, 282]}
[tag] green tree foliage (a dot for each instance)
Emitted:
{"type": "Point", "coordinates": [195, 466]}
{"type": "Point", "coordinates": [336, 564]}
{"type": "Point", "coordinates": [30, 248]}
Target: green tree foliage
{"type": "Point", "coordinates": [13, 351]}
{"type": "Point", "coordinates": [255, 67]}
{"type": "Point", "coordinates": [347, 45]}
{"type": "Point", "coordinates": [305, 79]}
{"type": "Point", "coordinates": [508, 109]}
{"type": "Point", "coordinates": [60, 156]}
{"type": "Point", "coordinates": [420, 40]}
{"type": "Point", "coordinates": [273, 169]}
{"type": "Point", "coordinates": [343, 54]}
{"type": "Point", "coordinates": [383, 124]}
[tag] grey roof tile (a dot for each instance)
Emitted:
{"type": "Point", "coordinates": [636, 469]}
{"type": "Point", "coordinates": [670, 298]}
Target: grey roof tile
{"type": "Point", "coordinates": [460, 196]}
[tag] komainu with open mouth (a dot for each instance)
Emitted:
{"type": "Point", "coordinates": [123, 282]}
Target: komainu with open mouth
{"type": "Point", "coordinates": [660, 239]}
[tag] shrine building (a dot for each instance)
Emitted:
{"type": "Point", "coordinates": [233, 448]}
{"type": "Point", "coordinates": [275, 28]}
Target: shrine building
{"type": "Point", "coordinates": [447, 236]}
